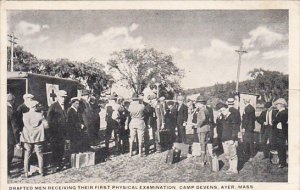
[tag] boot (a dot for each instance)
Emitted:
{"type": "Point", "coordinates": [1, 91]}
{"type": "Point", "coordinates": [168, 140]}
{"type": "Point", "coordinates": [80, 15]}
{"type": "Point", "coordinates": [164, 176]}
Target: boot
{"type": "Point", "coordinates": [141, 151]}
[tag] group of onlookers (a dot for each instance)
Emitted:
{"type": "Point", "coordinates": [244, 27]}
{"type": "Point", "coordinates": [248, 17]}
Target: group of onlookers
{"type": "Point", "coordinates": [135, 120]}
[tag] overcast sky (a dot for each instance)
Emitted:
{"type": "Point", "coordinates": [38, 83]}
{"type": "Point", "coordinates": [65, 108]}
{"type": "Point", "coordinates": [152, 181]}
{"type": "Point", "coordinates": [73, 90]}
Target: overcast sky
{"type": "Point", "coordinates": [202, 42]}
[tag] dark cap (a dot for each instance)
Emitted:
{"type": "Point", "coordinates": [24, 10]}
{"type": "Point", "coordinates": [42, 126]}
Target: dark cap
{"type": "Point", "coordinates": [268, 104]}
{"type": "Point", "coordinates": [201, 99]}
{"type": "Point", "coordinates": [221, 105]}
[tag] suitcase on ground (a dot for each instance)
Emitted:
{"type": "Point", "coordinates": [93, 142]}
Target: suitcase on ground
{"type": "Point", "coordinates": [173, 156]}
{"type": "Point", "coordinates": [274, 157]}
{"type": "Point", "coordinates": [214, 163]}
{"type": "Point", "coordinates": [101, 154]}
{"type": "Point", "coordinates": [80, 160]}
{"type": "Point", "coordinates": [183, 147]}
{"type": "Point", "coordinates": [196, 149]}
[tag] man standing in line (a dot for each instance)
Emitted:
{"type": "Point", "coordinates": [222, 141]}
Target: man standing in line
{"type": "Point", "coordinates": [160, 123]}
{"type": "Point", "coordinates": [137, 124]}
{"type": "Point", "coordinates": [182, 117]}
{"type": "Point", "coordinates": [90, 115]}
{"type": "Point", "coordinates": [265, 119]}
{"type": "Point", "coordinates": [57, 120]}
{"type": "Point", "coordinates": [112, 119]}
{"type": "Point", "coordinates": [281, 130]}
{"type": "Point", "coordinates": [75, 126]}
{"type": "Point", "coordinates": [248, 125]}
{"type": "Point", "coordinates": [150, 120]}
{"type": "Point", "coordinates": [230, 128]}
{"type": "Point", "coordinates": [12, 130]}
{"type": "Point", "coordinates": [23, 108]}
{"type": "Point", "coordinates": [203, 127]}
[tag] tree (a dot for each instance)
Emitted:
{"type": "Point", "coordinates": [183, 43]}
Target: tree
{"type": "Point", "coordinates": [90, 73]}
{"type": "Point", "coordinates": [134, 69]}
{"type": "Point", "coordinates": [270, 84]}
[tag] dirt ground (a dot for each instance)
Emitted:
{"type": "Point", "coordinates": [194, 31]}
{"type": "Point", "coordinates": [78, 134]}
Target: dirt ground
{"type": "Point", "coordinates": [153, 169]}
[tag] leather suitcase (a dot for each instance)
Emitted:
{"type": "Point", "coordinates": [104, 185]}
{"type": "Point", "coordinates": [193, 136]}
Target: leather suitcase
{"type": "Point", "coordinates": [196, 149]}
{"type": "Point", "coordinates": [81, 160]}
{"type": "Point", "coordinates": [214, 163]}
{"type": "Point", "coordinates": [183, 147]}
{"type": "Point", "coordinates": [173, 156]}
{"type": "Point", "coordinates": [101, 154]}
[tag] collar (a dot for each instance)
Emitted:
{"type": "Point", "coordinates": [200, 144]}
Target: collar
{"type": "Point", "coordinates": [74, 108]}
{"type": "Point", "coordinates": [9, 104]}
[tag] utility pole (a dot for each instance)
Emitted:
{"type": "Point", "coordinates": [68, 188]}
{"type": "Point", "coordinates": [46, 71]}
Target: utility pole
{"type": "Point", "coordinates": [12, 39]}
{"type": "Point", "coordinates": [240, 51]}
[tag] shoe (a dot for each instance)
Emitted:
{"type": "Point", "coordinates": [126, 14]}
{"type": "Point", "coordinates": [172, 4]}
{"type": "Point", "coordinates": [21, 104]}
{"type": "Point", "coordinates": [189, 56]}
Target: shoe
{"type": "Point", "coordinates": [42, 174]}
{"type": "Point", "coordinates": [141, 155]}
{"type": "Point", "coordinates": [26, 175]}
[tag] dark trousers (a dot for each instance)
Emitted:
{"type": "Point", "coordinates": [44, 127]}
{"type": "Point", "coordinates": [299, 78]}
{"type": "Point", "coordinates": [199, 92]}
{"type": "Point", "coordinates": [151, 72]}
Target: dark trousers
{"type": "Point", "coordinates": [112, 127]}
{"type": "Point", "coordinates": [93, 135]}
{"type": "Point", "coordinates": [10, 155]}
{"type": "Point", "coordinates": [281, 147]}
{"type": "Point", "coordinates": [248, 145]}
{"type": "Point", "coordinates": [157, 145]}
{"type": "Point", "coordinates": [181, 133]}
{"type": "Point", "coordinates": [58, 147]}
{"type": "Point", "coordinates": [267, 135]}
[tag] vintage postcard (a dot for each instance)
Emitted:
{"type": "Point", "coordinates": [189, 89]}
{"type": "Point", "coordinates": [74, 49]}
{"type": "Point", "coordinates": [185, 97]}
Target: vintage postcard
{"type": "Point", "coordinates": [149, 95]}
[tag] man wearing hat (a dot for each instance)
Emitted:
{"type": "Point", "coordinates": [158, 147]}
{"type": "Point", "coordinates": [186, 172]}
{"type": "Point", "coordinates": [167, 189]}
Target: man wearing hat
{"type": "Point", "coordinates": [23, 108]}
{"type": "Point", "coordinates": [12, 130]}
{"type": "Point", "coordinates": [182, 116]}
{"type": "Point", "coordinates": [89, 111]}
{"type": "Point", "coordinates": [160, 122]}
{"type": "Point", "coordinates": [281, 130]}
{"type": "Point", "coordinates": [75, 126]}
{"type": "Point", "coordinates": [33, 136]}
{"type": "Point", "coordinates": [150, 119]}
{"type": "Point", "coordinates": [229, 138]}
{"type": "Point", "coordinates": [203, 127]}
{"type": "Point", "coordinates": [171, 119]}
{"type": "Point", "coordinates": [57, 119]}
{"type": "Point", "coordinates": [112, 119]}
{"type": "Point", "coordinates": [248, 125]}
{"type": "Point", "coordinates": [137, 124]}
{"type": "Point", "coordinates": [266, 119]}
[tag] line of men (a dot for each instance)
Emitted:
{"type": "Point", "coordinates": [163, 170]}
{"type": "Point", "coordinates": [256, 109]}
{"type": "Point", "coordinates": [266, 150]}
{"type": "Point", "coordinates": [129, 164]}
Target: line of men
{"type": "Point", "coordinates": [29, 127]}
{"type": "Point", "coordinates": [130, 121]}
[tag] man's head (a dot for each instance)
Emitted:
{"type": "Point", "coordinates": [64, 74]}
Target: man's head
{"type": "Point", "coordinates": [222, 108]}
{"type": "Point", "coordinates": [170, 104]}
{"type": "Point", "coordinates": [27, 97]}
{"type": "Point", "coordinates": [230, 102]}
{"type": "Point", "coordinates": [200, 101]}
{"type": "Point", "coordinates": [268, 105]}
{"type": "Point", "coordinates": [280, 103]}
{"type": "Point", "coordinates": [61, 97]}
{"type": "Point", "coordinates": [11, 98]}
{"type": "Point", "coordinates": [75, 102]}
{"type": "Point", "coordinates": [180, 100]}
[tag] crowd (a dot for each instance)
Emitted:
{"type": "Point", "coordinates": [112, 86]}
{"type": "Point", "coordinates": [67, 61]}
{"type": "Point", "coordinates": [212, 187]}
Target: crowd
{"type": "Point", "coordinates": [135, 120]}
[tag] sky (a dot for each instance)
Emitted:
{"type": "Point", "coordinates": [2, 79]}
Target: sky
{"type": "Point", "coordinates": [202, 42]}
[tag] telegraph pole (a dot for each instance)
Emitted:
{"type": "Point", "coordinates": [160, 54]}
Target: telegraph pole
{"type": "Point", "coordinates": [240, 51]}
{"type": "Point", "coordinates": [12, 39]}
